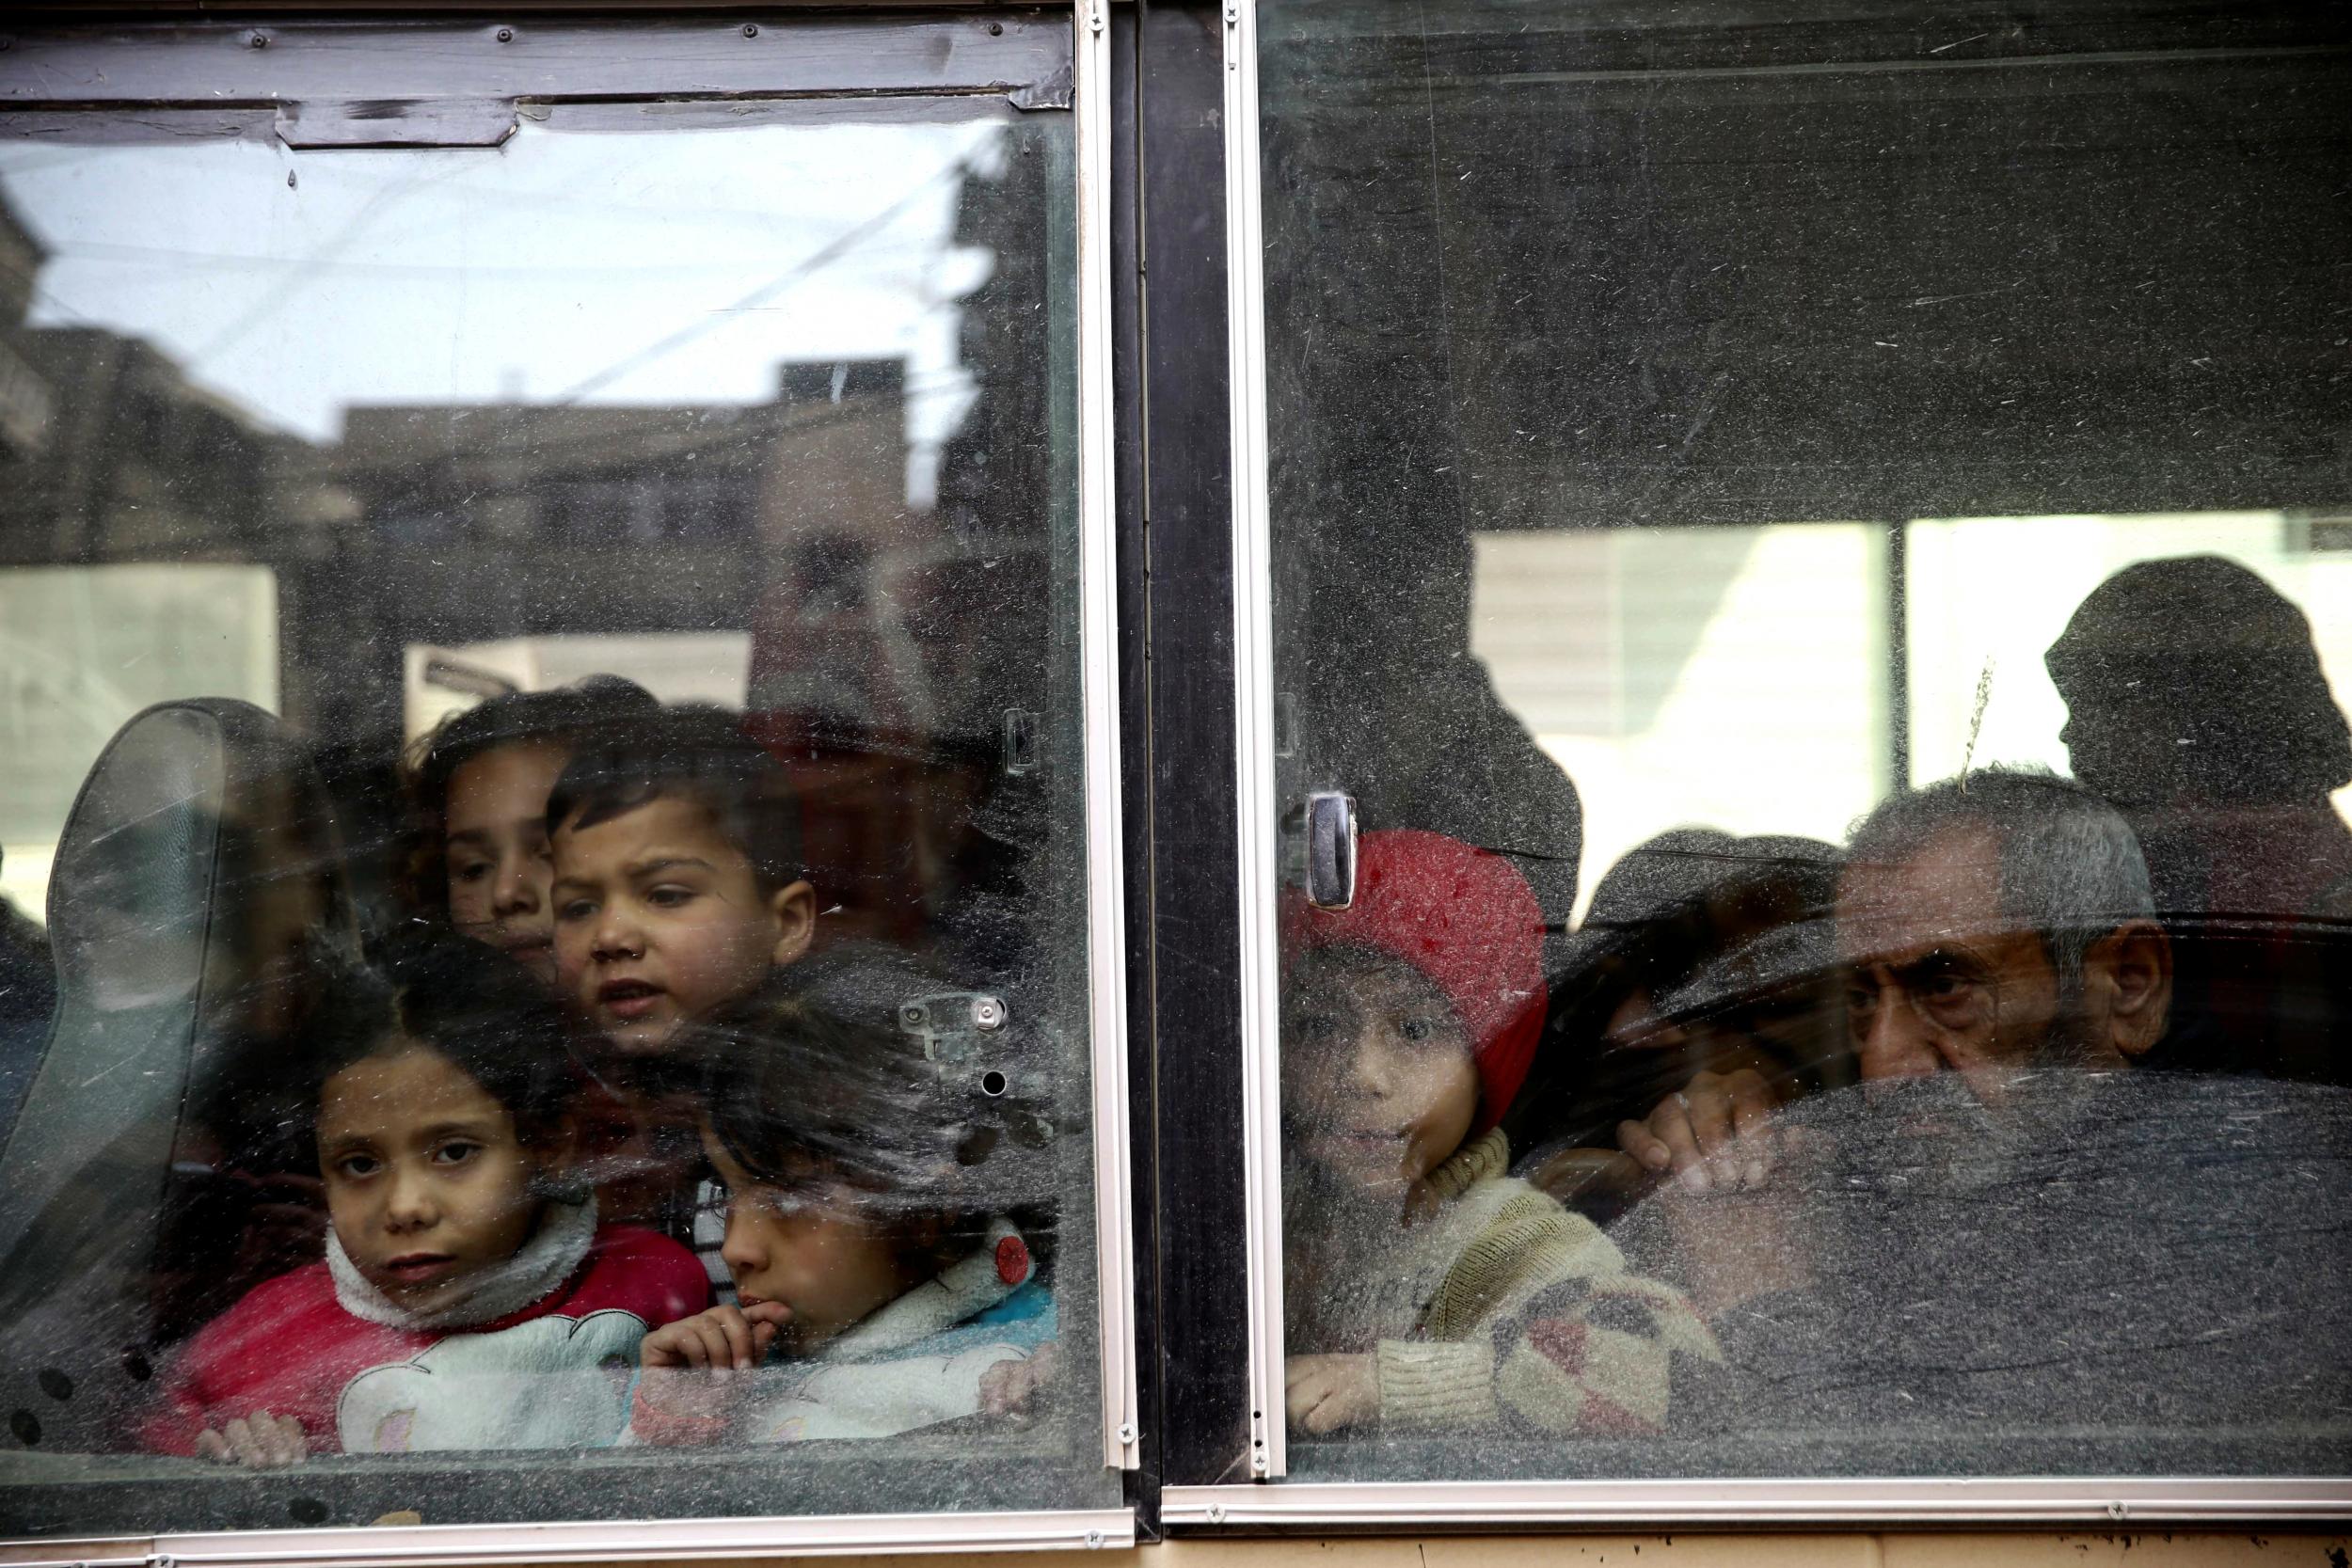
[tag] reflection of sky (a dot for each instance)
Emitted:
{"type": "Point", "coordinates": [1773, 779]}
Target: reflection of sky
{"type": "Point", "coordinates": [668, 267]}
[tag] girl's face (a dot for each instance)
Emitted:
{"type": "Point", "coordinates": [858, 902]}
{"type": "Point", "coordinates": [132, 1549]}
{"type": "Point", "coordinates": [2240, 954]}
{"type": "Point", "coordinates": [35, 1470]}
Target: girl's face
{"type": "Point", "coordinates": [815, 1250]}
{"type": "Point", "coordinates": [427, 1181]}
{"type": "Point", "coordinates": [496, 846]}
{"type": "Point", "coordinates": [1377, 1082]}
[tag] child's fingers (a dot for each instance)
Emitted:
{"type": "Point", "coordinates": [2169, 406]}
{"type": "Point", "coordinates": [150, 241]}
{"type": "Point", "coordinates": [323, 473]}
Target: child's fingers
{"type": "Point", "coordinates": [763, 1338]}
{"type": "Point", "coordinates": [1671, 1125]}
{"type": "Point", "coordinates": [718, 1353]}
{"type": "Point", "coordinates": [1644, 1147]}
{"type": "Point", "coordinates": [774, 1313]}
{"type": "Point", "coordinates": [1710, 1119]}
{"type": "Point", "coordinates": [211, 1445]}
{"type": "Point", "coordinates": [658, 1351]}
{"type": "Point", "coordinates": [1752, 1114]}
{"type": "Point", "coordinates": [283, 1439]}
{"type": "Point", "coordinates": [737, 1330]}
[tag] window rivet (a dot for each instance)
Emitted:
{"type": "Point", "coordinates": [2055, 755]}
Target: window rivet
{"type": "Point", "coordinates": [506, 34]}
{"type": "Point", "coordinates": [751, 29]}
{"type": "Point", "coordinates": [256, 41]}
{"type": "Point", "coordinates": [1094, 1538]}
{"type": "Point", "coordinates": [1217, 1514]}
{"type": "Point", "coordinates": [995, 29]}
{"type": "Point", "coordinates": [1126, 1432]}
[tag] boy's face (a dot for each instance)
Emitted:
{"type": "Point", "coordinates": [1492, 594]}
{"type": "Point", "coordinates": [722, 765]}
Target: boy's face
{"type": "Point", "coordinates": [1378, 1086]}
{"type": "Point", "coordinates": [496, 847]}
{"type": "Point", "coordinates": [427, 1181]}
{"type": "Point", "coordinates": [659, 919]}
{"type": "Point", "coordinates": [812, 1250]}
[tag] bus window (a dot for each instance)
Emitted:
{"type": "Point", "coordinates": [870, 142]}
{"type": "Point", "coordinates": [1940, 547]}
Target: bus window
{"type": "Point", "coordinates": [526, 937]}
{"type": "Point", "coordinates": [1805, 552]}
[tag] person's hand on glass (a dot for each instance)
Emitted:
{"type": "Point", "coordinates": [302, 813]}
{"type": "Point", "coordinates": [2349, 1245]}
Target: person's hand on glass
{"type": "Point", "coordinates": [1712, 1135]}
{"type": "Point", "coordinates": [258, 1442]}
{"type": "Point", "coordinates": [1010, 1387]}
{"type": "Point", "coordinates": [1326, 1393]}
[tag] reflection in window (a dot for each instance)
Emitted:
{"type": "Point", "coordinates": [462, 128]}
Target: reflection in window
{"type": "Point", "coordinates": [506, 662]}
{"type": "Point", "coordinates": [1807, 541]}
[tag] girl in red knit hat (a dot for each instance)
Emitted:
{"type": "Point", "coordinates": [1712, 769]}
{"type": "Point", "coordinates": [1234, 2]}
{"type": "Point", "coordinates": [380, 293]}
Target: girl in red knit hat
{"type": "Point", "coordinates": [1425, 1287]}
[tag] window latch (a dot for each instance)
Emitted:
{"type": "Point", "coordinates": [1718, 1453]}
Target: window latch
{"type": "Point", "coordinates": [1330, 849]}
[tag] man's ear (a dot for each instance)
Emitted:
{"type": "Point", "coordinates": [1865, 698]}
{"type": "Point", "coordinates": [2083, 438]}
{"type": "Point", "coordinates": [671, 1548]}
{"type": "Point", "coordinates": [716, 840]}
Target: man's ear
{"type": "Point", "coordinates": [2134, 962]}
{"type": "Point", "coordinates": [794, 910]}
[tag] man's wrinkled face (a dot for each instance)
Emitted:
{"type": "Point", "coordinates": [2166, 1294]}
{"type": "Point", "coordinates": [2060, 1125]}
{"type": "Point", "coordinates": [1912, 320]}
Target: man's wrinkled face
{"type": "Point", "coordinates": [1937, 979]}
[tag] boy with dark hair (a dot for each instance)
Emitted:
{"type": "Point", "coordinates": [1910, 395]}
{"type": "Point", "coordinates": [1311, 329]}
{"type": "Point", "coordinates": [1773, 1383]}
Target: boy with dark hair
{"type": "Point", "coordinates": [678, 875]}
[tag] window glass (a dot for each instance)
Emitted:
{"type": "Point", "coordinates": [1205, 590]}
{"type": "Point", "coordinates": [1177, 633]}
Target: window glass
{"type": "Point", "coordinates": [1810, 543]}
{"type": "Point", "coordinates": [545, 942]}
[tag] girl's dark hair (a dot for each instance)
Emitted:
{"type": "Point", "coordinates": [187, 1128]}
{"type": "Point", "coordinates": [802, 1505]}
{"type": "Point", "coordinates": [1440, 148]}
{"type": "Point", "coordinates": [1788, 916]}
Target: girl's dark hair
{"type": "Point", "coordinates": [568, 716]}
{"type": "Point", "coordinates": [833, 1083]}
{"type": "Point", "coordinates": [469, 1004]}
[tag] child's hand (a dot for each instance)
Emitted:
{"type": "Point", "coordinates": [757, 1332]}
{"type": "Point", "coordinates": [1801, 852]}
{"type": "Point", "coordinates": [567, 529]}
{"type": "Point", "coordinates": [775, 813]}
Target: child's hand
{"type": "Point", "coordinates": [725, 1339]}
{"type": "Point", "coordinates": [1009, 1385]}
{"type": "Point", "coordinates": [675, 1405]}
{"type": "Point", "coordinates": [1715, 1135]}
{"type": "Point", "coordinates": [1324, 1393]}
{"type": "Point", "coordinates": [259, 1441]}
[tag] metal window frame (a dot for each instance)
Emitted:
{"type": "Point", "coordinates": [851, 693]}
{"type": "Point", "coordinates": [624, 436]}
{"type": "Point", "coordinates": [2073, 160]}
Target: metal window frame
{"type": "Point", "coordinates": [267, 73]}
{"type": "Point", "coordinates": [1260, 958]}
{"type": "Point", "coordinates": [668, 1540]}
{"type": "Point", "coordinates": [1727, 1504]}
{"type": "Point", "coordinates": [1269, 1502]}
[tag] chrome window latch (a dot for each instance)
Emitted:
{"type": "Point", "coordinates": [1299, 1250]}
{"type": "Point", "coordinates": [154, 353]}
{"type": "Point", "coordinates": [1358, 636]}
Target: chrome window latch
{"type": "Point", "coordinates": [1330, 849]}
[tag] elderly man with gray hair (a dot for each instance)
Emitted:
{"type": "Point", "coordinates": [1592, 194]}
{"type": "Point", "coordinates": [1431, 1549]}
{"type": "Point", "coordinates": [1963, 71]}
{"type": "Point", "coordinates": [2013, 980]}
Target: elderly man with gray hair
{"type": "Point", "coordinates": [2006, 1237]}
{"type": "Point", "coordinates": [1990, 926]}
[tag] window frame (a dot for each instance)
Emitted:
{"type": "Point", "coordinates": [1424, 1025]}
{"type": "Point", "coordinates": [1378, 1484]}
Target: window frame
{"type": "Point", "coordinates": [1214, 1496]}
{"type": "Point", "coordinates": [173, 56]}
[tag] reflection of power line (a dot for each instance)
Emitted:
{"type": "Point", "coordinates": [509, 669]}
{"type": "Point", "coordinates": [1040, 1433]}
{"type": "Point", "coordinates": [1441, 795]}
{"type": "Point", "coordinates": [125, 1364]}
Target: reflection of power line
{"type": "Point", "coordinates": [301, 270]}
{"type": "Point", "coordinates": [164, 256]}
{"type": "Point", "coordinates": [831, 251]}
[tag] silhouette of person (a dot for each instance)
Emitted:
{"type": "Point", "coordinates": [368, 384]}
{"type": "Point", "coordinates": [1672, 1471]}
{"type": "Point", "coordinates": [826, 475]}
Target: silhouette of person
{"type": "Point", "coordinates": [2197, 705]}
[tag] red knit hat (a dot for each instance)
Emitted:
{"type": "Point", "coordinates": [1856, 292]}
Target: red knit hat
{"type": "Point", "coordinates": [1465, 918]}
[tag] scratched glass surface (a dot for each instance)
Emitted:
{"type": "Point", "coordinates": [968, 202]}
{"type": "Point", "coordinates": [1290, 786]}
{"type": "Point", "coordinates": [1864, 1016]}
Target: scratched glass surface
{"type": "Point", "coordinates": [542, 961]}
{"type": "Point", "coordinates": [1815, 541]}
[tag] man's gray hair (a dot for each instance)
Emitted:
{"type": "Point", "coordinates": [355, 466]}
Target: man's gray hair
{"type": "Point", "coordinates": [2070, 868]}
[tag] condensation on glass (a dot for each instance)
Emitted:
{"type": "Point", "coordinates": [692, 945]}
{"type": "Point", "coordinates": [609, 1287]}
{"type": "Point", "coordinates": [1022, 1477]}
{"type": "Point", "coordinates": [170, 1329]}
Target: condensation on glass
{"type": "Point", "coordinates": [1815, 542]}
{"type": "Point", "coordinates": [542, 728]}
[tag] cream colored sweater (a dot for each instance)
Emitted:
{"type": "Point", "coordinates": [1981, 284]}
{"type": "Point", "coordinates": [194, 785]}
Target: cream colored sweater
{"type": "Point", "coordinates": [1495, 1306]}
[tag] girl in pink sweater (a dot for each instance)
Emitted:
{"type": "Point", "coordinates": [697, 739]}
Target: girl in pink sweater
{"type": "Point", "coordinates": [468, 1299]}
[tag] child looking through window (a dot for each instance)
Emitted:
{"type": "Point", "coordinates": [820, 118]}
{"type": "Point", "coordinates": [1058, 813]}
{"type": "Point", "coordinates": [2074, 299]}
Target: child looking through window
{"type": "Point", "coordinates": [885, 1219]}
{"type": "Point", "coordinates": [469, 1298]}
{"type": "Point", "coordinates": [1424, 1288]}
{"type": "Point", "coordinates": [677, 891]}
{"type": "Point", "coordinates": [478, 791]}
{"type": "Point", "coordinates": [677, 876]}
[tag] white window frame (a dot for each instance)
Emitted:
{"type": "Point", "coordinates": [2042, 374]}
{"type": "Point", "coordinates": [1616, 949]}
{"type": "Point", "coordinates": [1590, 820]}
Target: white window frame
{"type": "Point", "coordinates": [1267, 1500]}
{"type": "Point", "coordinates": [1114, 1251]}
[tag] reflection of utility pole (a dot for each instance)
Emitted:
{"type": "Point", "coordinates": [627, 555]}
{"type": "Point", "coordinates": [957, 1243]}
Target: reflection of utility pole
{"type": "Point", "coordinates": [1898, 659]}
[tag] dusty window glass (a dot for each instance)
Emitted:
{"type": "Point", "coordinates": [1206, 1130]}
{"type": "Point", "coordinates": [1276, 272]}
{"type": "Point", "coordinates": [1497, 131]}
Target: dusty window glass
{"type": "Point", "coordinates": [1813, 544]}
{"type": "Point", "coordinates": [546, 925]}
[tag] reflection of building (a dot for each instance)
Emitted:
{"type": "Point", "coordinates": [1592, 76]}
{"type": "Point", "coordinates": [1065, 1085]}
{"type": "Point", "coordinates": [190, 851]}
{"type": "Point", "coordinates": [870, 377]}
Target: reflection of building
{"type": "Point", "coordinates": [108, 451]}
{"type": "Point", "coordinates": [479, 523]}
